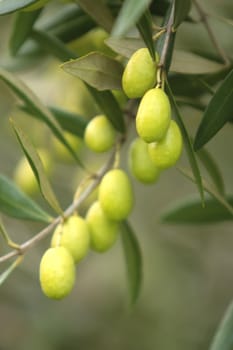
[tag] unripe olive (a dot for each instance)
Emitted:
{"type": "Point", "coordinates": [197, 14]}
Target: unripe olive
{"type": "Point", "coordinates": [139, 74]}
{"type": "Point", "coordinates": [140, 163]}
{"type": "Point", "coordinates": [74, 236]}
{"type": "Point", "coordinates": [116, 194]}
{"type": "Point", "coordinates": [24, 176]}
{"type": "Point", "coordinates": [166, 152]}
{"type": "Point", "coordinates": [153, 116]}
{"type": "Point", "coordinates": [57, 273]}
{"type": "Point", "coordinates": [99, 134]}
{"type": "Point", "coordinates": [103, 231]}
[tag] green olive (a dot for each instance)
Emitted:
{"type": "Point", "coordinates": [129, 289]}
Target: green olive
{"type": "Point", "coordinates": [140, 163]}
{"type": "Point", "coordinates": [74, 236]}
{"type": "Point", "coordinates": [153, 116]}
{"type": "Point", "coordinates": [166, 152]}
{"type": "Point", "coordinates": [116, 194]}
{"type": "Point", "coordinates": [57, 273]}
{"type": "Point", "coordinates": [103, 231]}
{"type": "Point", "coordinates": [139, 74]}
{"type": "Point", "coordinates": [99, 134]}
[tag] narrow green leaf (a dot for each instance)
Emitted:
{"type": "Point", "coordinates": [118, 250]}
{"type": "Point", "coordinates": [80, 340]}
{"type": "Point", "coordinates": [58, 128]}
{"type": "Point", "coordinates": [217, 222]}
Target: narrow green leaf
{"type": "Point", "coordinates": [110, 107]}
{"type": "Point", "coordinates": [182, 8]}
{"type": "Point", "coordinates": [208, 188]}
{"type": "Point", "coordinates": [144, 26]}
{"type": "Point", "coordinates": [37, 168]}
{"type": "Point", "coordinates": [190, 211]}
{"type": "Point", "coordinates": [223, 339]}
{"type": "Point", "coordinates": [73, 29]}
{"type": "Point", "coordinates": [52, 45]}
{"type": "Point", "coordinates": [125, 46]}
{"type": "Point", "coordinates": [133, 260]}
{"type": "Point", "coordinates": [22, 29]}
{"type": "Point", "coordinates": [8, 6]}
{"type": "Point", "coordinates": [96, 69]}
{"type": "Point", "coordinates": [188, 145]}
{"type": "Point", "coordinates": [36, 107]}
{"type": "Point", "coordinates": [14, 203]}
{"type": "Point", "coordinates": [129, 14]}
{"type": "Point", "coordinates": [217, 113]}
{"type": "Point", "coordinates": [212, 168]}
{"type": "Point", "coordinates": [99, 12]}
{"type": "Point", "coordinates": [4, 275]}
{"type": "Point", "coordinates": [185, 62]}
{"type": "Point", "coordinates": [71, 122]}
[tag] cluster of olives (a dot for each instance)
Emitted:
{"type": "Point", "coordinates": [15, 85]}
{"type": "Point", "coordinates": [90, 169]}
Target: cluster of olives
{"type": "Point", "coordinates": [72, 238]}
{"type": "Point", "coordinates": [159, 144]}
{"type": "Point", "coordinates": [158, 147]}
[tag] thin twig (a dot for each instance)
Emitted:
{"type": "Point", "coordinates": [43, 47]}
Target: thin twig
{"type": "Point", "coordinates": [69, 211]}
{"type": "Point", "coordinates": [204, 19]}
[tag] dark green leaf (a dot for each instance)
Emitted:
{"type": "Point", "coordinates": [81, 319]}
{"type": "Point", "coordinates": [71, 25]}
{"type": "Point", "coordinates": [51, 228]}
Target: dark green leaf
{"type": "Point", "coordinates": [52, 45]}
{"type": "Point", "coordinates": [37, 168]}
{"type": "Point", "coordinates": [129, 14]}
{"type": "Point", "coordinates": [182, 8]}
{"type": "Point", "coordinates": [73, 29]}
{"type": "Point", "coordinates": [14, 203]}
{"type": "Point", "coordinates": [188, 145]}
{"type": "Point", "coordinates": [185, 62]}
{"type": "Point", "coordinates": [191, 211]}
{"type": "Point", "coordinates": [165, 43]}
{"type": "Point", "coordinates": [133, 260]}
{"type": "Point", "coordinates": [144, 26]}
{"type": "Point", "coordinates": [212, 168]}
{"type": "Point", "coordinates": [71, 122]}
{"type": "Point", "coordinates": [36, 107]}
{"type": "Point", "coordinates": [125, 46]}
{"type": "Point", "coordinates": [99, 12]}
{"type": "Point", "coordinates": [22, 28]}
{"type": "Point", "coordinates": [223, 339]}
{"type": "Point", "coordinates": [96, 69]}
{"type": "Point", "coordinates": [110, 107]}
{"type": "Point", "coordinates": [7, 6]}
{"type": "Point", "coordinates": [217, 113]}
{"type": "Point", "coordinates": [208, 188]}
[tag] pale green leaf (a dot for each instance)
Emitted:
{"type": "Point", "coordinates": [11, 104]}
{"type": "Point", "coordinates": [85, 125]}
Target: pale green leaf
{"type": "Point", "coordinates": [96, 69]}
{"type": "Point", "coordinates": [37, 168]}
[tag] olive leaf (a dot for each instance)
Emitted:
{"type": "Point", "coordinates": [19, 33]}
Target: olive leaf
{"type": "Point", "coordinates": [133, 259]}
{"type": "Point", "coordinates": [190, 211]}
{"type": "Point", "coordinates": [99, 12]}
{"type": "Point", "coordinates": [96, 69]}
{"type": "Point", "coordinates": [22, 29]}
{"type": "Point", "coordinates": [223, 337]}
{"type": "Point", "coordinates": [217, 113]}
{"type": "Point", "coordinates": [37, 168]}
{"type": "Point", "coordinates": [8, 6]}
{"type": "Point", "coordinates": [15, 203]}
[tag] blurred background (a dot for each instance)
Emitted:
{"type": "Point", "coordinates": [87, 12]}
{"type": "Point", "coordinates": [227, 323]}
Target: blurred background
{"type": "Point", "coordinates": [187, 270]}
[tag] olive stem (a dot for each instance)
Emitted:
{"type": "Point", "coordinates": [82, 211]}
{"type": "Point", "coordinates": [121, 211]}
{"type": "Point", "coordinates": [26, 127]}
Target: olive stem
{"type": "Point", "coordinates": [169, 31]}
{"type": "Point", "coordinates": [204, 19]}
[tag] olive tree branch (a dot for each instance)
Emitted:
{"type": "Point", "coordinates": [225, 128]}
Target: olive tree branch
{"type": "Point", "coordinates": [21, 249]}
{"type": "Point", "coordinates": [204, 19]}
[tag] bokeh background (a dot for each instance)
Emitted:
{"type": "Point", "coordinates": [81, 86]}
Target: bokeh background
{"type": "Point", "coordinates": [187, 270]}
